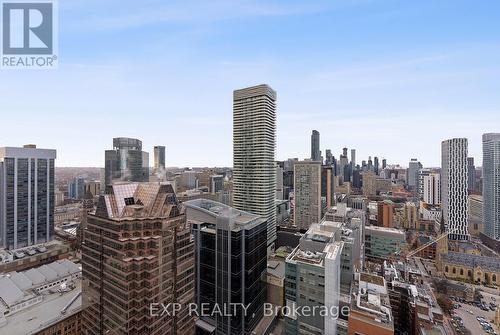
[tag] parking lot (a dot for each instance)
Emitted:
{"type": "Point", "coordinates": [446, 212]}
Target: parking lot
{"type": "Point", "coordinates": [469, 313]}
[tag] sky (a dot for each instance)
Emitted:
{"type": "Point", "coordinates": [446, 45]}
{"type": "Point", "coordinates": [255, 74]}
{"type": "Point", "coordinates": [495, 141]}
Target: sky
{"type": "Point", "coordinates": [389, 78]}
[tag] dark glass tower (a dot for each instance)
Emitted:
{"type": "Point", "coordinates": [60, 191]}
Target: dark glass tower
{"type": "Point", "coordinates": [126, 162]}
{"type": "Point", "coordinates": [230, 255]}
{"type": "Point", "coordinates": [26, 196]}
{"type": "Point", "coordinates": [315, 151]}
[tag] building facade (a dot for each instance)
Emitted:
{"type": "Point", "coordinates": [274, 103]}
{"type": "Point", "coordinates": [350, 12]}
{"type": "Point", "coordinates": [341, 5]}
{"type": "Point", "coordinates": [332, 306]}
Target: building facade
{"type": "Point", "coordinates": [254, 146]}
{"type": "Point", "coordinates": [231, 260]}
{"type": "Point", "coordinates": [26, 196]}
{"type": "Point", "coordinates": [126, 162]}
{"type": "Point", "coordinates": [454, 187]}
{"type": "Point", "coordinates": [137, 252]}
{"type": "Point", "coordinates": [159, 157]}
{"type": "Point", "coordinates": [307, 194]}
{"type": "Point", "coordinates": [491, 185]}
{"type": "Point", "coordinates": [315, 148]}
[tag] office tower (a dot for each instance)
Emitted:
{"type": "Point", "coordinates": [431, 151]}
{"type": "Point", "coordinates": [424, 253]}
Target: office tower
{"type": "Point", "coordinates": [471, 174]}
{"type": "Point", "coordinates": [228, 274]}
{"type": "Point", "coordinates": [137, 254]}
{"type": "Point", "coordinates": [431, 188]}
{"type": "Point", "coordinates": [76, 188]}
{"type": "Point", "coordinates": [329, 157]}
{"type": "Point", "coordinates": [491, 185]}
{"type": "Point", "coordinates": [216, 184]}
{"type": "Point", "coordinates": [279, 183]}
{"type": "Point", "coordinates": [159, 157]}
{"type": "Point", "coordinates": [454, 187]}
{"type": "Point", "coordinates": [189, 180]}
{"type": "Point", "coordinates": [315, 150]}
{"type": "Point", "coordinates": [126, 162]}
{"type": "Point", "coordinates": [26, 196]}
{"type": "Point", "coordinates": [383, 242]}
{"type": "Point", "coordinates": [312, 280]}
{"type": "Point", "coordinates": [384, 163]}
{"type": "Point", "coordinates": [307, 194]}
{"type": "Point", "coordinates": [413, 169]}
{"type": "Point", "coordinates": [370, 164]}
{"type": "Point", "coordinates": [376, 165]}
{"type": "Point", "coordinates": [353, 158]}
{"type": "Point", "coordinates": [356, 178]}
{"type": "Point", "coordinates": [93, 187]}
{"type": "Point", "coordinates": [254, 144]}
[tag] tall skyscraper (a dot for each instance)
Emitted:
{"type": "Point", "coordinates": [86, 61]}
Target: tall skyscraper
{"type": "Point", "coordinates": [376, 165]}
{"type": "Point", "coordinates": [137, 252]}
{"type": "Point", "coordinates": [126, 162]}
{"type": "Point", "coordinates": [315, 150]}
{"type": "Point", "coordinates": [454, 187]}
{"type": "Point", "coordinates": [471, 174]}
{"type": "Point", "coordinates": [329, 157]}
{"type": "Point", "coordinates": [254, 145]}
{"type": "Point", "coordinates": [76, 188]}
{"type": "Point", "coordinates": [353, 158]}
{"type": "Point", "coordinates": [159, 157]}
{"type": "Point", "coordinates": [228, 274]}
{"type": "Point", "coordinates": [413, 169]}
{"type": "Point", "coordinates": [307, 194]}
{"type": "Point", "coordinates": [491, 185]}
{"type": "Point", "coordinates": [26, 196]}
{"type": "Point", "coordinates": [431, 188]}
{"type": "Point", "coordinates": [384, 163]}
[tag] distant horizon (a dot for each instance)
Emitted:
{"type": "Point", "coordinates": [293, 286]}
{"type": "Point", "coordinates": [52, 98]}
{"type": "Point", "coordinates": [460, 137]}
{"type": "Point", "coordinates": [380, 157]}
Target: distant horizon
{"type": "Point", "coordinates": [389, 79]}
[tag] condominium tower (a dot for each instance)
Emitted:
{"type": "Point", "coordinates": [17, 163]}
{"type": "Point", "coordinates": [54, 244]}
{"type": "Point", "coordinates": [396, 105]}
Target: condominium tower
{"type": "Point", "coordinates": [315, 150]}
{"type": "Point", "coordinates": [137, 256]}
{"type": "Point", "coordinates": [491, 185]}
{"type": "Point", "coordinates": [307, 193]}
{"type": "Point", "coordinates": [26, 196]}
{"type": "Point", "coordinates": [159, 157]}
{"type": "Point", "coordinates": [454, 187]}
{"type": "Point", "coordinates": [254, 146]}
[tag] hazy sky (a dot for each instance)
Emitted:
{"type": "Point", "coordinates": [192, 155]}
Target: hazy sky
{"type": "Point", "coordinates": [389, 78]}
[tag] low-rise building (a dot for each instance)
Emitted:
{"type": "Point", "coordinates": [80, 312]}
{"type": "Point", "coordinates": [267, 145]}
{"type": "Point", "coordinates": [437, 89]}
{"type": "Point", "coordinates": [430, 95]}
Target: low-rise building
{"type": "Point", "coordinates": [381, 242]}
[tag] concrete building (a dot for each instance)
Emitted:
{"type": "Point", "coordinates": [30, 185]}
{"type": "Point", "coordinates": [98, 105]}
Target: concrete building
{"type": "Point", "coordinates": [279, 183]}
{"type": "Point", "coordinates": [189, 180]}
{"type": "Point", "coordinates": [228, 273]}
{"type": "Point", "coordinates": [26, 196]}
{"type": "Point", "coordinates": [137, 251]}
{"type": "Point", "coordinates": [371, 311]}
{"type": "Point", "coordinates": [491, 185]}
{"type": "Point", "coordinates": [431, 189]}
{"type": "Point", "coordinates": [159, 157]}
{"type": "Point", "coordinates": [312, 278]}
{"type": "Point", "coordinates": [382, 242]}
{"type": "Point", "coordinates": [454, 187]}
{"type": "Point", "coordinates": [307, 194]}
{"type": "Point", "coordinates": [410, 215]}
{"type": "Point", "coordinates": [315, 147]}
{"type": "Point", "coordinates": [126, 162]}
{"type": "Point", "coordinates": [476, 216]}
{"type": "Point", "coordinates": [43, 300]}
{"type": "Point", "coordinates": [471, 174]}
{"type": "Point", "coordinates": [216, 184]}
{"type": "Point", "coordinates": [327, 187]}
{"type": "Point", "coordinates": [386, 214]}
{"type": "Point", "coordinates": [93, 187]}
{"type": "Point", "coordinates": [254, 145]}
{"type": "Point", "coordinates": [413, 169]}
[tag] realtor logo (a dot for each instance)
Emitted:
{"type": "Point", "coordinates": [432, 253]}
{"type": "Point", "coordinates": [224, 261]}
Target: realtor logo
{"type": "Point", "coordinates": [28, 34]}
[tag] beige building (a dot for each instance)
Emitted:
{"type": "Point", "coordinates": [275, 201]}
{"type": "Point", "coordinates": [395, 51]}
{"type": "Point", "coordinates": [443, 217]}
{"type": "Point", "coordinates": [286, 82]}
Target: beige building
{"type": "Point", "coordinates": [307, 185]}
{"type": "Point", "coordinates": [410, 216]}
{"type": "Point", "coordinates": [475, 215]}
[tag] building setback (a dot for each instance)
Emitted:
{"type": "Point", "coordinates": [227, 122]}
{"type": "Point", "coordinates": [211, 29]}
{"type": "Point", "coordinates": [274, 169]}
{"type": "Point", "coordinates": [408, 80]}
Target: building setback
{"type": "Point", "coordinates": [137, 251]}
{"type": "Point", "coordinates": [254, 146]}
{"type": "Point", "coordinates": [26, 196]}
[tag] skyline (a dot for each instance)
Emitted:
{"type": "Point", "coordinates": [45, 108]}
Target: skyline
{"type": "Point", "coordinates": [361, 73]}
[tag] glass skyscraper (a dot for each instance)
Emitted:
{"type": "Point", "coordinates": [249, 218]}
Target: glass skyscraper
{"type": "Point", "coordinates": [26, 196]}
{"type": "Point", "coordinates": [126, 162]}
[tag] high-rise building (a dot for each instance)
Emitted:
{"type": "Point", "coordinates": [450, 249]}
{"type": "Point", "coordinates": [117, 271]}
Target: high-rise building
{"type": "Point", "coordinates": [329, 157]}
{"type": "Point", "coordinates": [384, 163]}
{"type": "Point", "coordinates": [312, 275]}
{"type": "Point", "coordinates": [454, 187]}
{"type": "Point", "coordinates": [159, 157]}
{"type": "Point", "coordinates": [126, 162]}
{"type": "Point", "coordinates": [386, 214]}
{"type": "Point", "coordinates": [137, 253]}
{"type": "Point", "coordinates": [491, 185]}
{"type": "Point", "coordinates": [254, 145]}
{"type": "Point", "coordinates": [471, 174]}
{"type": "Point", "coordinates": [327, 186]}
{"type": "Point", "coordinates": [315, 149]}
{"type": "Point", "coordinates": [216, 184]}
{"type": "Point", "coordinates": [76, 188]}
{"type": "Point", "coordinates": [279, 183]}
{"type": "Point", "coordinates": [413, 169]}
{"type": "Point", "coordinates": [228, 274]}
{"type": "Point", "coordinates": [353, 158]}
{"type": "Point", "coordinates": [431, 188]}
{"type": "Point", "coordinates": [376, 165]}
{"type": "Point", "coordinates": [307, 194]}
{"type": "Point", "coordinates": [26, 196]}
